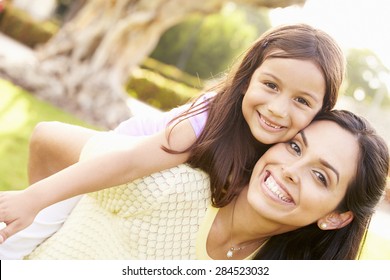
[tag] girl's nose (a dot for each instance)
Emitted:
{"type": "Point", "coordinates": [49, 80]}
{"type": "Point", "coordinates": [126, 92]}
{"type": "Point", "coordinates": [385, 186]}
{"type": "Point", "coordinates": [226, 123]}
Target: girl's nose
{"type": "Point", "coordinates": [279, 106]}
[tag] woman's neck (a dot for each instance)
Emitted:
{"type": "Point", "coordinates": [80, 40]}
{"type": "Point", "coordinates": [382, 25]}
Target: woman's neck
{"type": "Point", "coordinates": [239, 229]}
{"type": "Point", "coordinates": [249, 225]}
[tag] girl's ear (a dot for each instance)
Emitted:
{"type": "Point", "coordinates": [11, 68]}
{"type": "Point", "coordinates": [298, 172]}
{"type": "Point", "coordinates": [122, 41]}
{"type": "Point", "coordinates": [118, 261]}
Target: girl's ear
{"type": "Point", "coordinates": [335, 220]}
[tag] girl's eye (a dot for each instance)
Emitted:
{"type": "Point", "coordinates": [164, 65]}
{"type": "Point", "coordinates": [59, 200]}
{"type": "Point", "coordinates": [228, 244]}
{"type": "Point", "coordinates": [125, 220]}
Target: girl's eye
{"type": "Point", "coordinates": [295, 147]}
{"type": "Point", "coordinates": [303, 101]}
{"type": "Point", "coordinates": [271, 85]}
{"type": "Point", "coordinates": [321, 178]}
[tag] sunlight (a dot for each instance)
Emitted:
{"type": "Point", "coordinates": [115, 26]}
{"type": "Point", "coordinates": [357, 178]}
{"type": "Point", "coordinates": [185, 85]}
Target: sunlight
{"type": "Point", "coordinates": [353, 23]}
{"type": "Point", "coordinates": [14, 110]}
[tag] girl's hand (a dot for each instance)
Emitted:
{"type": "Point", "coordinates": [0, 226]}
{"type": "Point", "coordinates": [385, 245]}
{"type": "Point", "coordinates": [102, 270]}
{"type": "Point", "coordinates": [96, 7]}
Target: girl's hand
{"type": "Point", "coordinates": [17, 211]}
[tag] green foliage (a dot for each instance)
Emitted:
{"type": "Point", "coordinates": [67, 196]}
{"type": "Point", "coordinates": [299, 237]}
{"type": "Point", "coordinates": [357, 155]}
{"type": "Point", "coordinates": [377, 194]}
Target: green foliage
{"type": "Point", "coordinates": [19, 113]}
{"type": "Point", "coordinates": [206, 46]}
{"type": "Point", "coordinates": [365, 77]}
{"type": "Point", "coordinates": [20, 26]}
{"type": "Point", "coordinates": [158, 91]}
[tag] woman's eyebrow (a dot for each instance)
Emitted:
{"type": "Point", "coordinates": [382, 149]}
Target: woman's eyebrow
{"type": "Point", "coordinates": [322, 161]}
{"type": "Point", "coordinates": [327, 164]}
{"type": "Point", "coordinates": [303, 138]}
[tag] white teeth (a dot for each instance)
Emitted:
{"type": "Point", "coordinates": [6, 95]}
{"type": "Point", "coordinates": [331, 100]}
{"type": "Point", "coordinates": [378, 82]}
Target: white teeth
{"type": "Point", "coordinates": [270, 124]}
{"type": "Point", "coordinates": [275, 188]}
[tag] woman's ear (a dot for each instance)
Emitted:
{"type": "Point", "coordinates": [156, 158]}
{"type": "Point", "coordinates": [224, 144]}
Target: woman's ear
{"type": "Point", "coordinates": [335, 220]}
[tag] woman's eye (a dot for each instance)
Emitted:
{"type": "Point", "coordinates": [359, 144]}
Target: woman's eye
{"type": "Point", "coordinates": [295, 147]}
{"type": "Point", "coordinates": [321, 178]}
{"type": "Point", "coordinates": [271, 85]}
{"type": "Point", "coordinates": [303, 101]}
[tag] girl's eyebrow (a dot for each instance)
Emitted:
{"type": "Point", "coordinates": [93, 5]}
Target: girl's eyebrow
{"type": "Point", "coordinates": [271, 75]}
{"type": "Point", "coordinates": [322, 161]}
{"type": "Point", "coordinates": [310, 94]}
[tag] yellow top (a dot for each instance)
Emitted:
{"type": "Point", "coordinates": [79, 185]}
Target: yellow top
{"type": "Point", "coordinates": [204, 229]}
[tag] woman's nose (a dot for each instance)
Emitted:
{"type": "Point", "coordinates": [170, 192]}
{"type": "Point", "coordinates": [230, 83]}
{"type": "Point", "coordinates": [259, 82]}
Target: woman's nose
{"type": "Point", "coordinates": [291, 173]}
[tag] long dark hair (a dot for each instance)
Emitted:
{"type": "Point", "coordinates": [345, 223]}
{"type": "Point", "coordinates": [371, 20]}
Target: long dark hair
{"type": "Point", "coordinates": [363, 194]}
{"type": "Point", "coordinates": [226, 149]}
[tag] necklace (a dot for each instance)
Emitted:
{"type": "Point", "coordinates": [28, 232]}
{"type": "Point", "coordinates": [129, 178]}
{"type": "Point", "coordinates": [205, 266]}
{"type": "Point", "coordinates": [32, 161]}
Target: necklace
{"type": "Point", "coordinates": [232, 249]}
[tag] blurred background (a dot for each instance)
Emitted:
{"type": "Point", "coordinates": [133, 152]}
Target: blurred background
{"type": "Point", "coordinates": [95, 63]}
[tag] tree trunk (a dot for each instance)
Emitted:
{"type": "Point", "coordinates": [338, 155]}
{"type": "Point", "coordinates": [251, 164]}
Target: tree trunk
{"type": "Point", "coordinates": [84, 66]}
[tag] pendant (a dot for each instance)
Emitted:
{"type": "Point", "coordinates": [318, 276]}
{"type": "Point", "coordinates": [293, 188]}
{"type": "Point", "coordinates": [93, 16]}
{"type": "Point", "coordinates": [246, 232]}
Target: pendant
{"type": "Point", "coordinates": [229, 253]}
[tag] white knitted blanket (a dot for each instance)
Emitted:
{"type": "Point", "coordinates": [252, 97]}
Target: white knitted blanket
{"type": "Point", "coordinates": [156, 217]}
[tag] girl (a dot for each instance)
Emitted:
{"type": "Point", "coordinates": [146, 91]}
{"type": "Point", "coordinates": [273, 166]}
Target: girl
{"type": "Point", "coordinates": [309, 198]}
{"type": "Point", "coordinates": [289, 75]}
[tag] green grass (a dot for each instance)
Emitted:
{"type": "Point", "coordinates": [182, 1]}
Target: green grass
{"type": "Point", "coordinates": [19, 113]}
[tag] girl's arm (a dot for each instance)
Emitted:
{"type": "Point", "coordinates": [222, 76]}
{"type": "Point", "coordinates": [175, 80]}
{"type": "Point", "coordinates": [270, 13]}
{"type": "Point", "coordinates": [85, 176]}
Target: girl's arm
{"type": "Point", "coordinates": [18, 209]}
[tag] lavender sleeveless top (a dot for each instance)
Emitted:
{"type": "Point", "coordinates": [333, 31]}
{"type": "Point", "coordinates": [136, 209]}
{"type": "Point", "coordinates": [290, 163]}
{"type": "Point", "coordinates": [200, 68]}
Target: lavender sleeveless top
{"type": "Point", "coordinates": [153, 123]}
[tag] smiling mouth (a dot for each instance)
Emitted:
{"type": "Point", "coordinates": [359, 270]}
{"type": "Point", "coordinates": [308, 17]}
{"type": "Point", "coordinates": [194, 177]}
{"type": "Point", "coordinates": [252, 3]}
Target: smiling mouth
{"type": "Point", "coordinates": [277, 190]}
{"type": "Point", "coordinates": [269, 123]}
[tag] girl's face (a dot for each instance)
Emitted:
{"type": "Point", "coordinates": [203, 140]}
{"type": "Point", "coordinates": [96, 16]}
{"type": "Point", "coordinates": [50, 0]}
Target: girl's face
{"type": "Point", "coordinates": [298, 182]}
{"type": "Point", "coordinates": [282, 98]}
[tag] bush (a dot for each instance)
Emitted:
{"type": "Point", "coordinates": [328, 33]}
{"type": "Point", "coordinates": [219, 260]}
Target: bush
{"type": "Point", "coordinates": [20, 26]}
{"type": "Point", "coordinates": [158, 91]}
{"type": "Point", "coordinates": [172, 73]}
{"type": "Point", "coordinates": [206, 46]}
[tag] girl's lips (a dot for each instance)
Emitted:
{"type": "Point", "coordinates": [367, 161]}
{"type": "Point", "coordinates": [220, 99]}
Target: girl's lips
{"type": "Point", "coordinates": [276, 190]}
{"type": "Point", "coordinates": [268, 124]}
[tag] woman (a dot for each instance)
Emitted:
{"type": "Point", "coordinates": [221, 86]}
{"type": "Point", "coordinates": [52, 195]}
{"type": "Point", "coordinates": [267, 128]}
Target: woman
{"type": "Point", "coordinates": [309, 198]}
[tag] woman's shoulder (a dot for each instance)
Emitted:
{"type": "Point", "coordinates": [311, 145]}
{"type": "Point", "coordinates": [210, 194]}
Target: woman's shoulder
{"type": "Point", "coordinates": [177, 184]}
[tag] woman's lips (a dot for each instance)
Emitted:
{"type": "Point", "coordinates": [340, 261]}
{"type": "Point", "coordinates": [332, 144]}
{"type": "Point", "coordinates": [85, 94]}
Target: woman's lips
{"type": "Point", "coordinates": [276, 189]}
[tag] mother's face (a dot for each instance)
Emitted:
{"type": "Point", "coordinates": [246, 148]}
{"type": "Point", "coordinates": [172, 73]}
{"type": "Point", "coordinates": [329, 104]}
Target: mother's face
{"type": "Point", "coordinates": [298, 182]}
